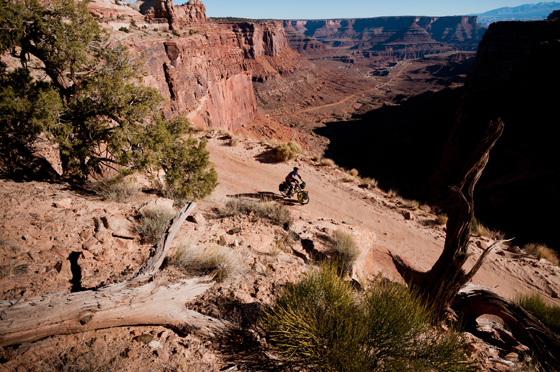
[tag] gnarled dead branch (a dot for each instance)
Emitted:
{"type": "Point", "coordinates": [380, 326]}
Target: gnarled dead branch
{"type": "Point", "coordinates": [128, 303]}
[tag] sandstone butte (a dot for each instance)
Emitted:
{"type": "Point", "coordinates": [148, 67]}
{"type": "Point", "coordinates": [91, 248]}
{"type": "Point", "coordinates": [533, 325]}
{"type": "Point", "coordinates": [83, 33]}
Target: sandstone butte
{"type": "Point", "coordinates": [58, 239]}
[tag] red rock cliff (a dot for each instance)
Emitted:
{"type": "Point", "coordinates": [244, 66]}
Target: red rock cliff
{"type": "Point", "coordinates": [207, 72]}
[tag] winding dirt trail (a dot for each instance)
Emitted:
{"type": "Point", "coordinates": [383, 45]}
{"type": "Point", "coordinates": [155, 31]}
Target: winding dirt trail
{"type": "Point", "coordinates": [247, 170]}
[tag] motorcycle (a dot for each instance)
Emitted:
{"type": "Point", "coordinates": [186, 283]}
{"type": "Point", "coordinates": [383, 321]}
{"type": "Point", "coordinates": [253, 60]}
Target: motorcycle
{"type": "Point", "coordinates": [302, 195]}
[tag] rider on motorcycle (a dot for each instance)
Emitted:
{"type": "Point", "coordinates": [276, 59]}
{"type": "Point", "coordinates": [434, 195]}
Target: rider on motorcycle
{"type": "Point", "coordinates": [291, 179]}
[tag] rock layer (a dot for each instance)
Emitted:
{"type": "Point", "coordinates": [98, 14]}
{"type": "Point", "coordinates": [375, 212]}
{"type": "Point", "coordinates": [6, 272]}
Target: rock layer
{"type": "Point", "coordinates": [401, 37]}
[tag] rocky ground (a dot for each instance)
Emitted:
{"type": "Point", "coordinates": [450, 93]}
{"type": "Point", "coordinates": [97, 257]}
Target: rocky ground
{"type": "Point", "coordinates": [56, 238]}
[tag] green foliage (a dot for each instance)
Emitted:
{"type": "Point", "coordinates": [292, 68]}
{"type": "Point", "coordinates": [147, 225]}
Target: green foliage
{"type": "Point", "coordinates": [153, 223]}
{"type": "Point", "coordinates": [85, 97]}
{"type": "Point", "coordinates": [549, 315]}
{"type": "Point", "coordinates": [319, 323]}
{"type": "Point", "coordinates": [275, 212]}
{"type": "Point", "coordinates": [124, 29]}
{"type": "Point", "coordinates": [345, 250]}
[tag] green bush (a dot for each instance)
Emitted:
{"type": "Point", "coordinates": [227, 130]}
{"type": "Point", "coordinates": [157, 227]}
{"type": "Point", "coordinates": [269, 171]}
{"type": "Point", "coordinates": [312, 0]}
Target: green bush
{"type": "Point", "coordinates": [345, 250]}
{"type": "Point", "coordinates": [153, 223]}
{"type": "Point", "coordinates": [115, 189]}
{"type": "Point", "coordinates": [549, 315]}
{"type": "Point", "coordinates": [275, 212]}
{"type": "Point", "coordinates": [320, 324]}
{"type": "Point", "coordinates": [287, 151]}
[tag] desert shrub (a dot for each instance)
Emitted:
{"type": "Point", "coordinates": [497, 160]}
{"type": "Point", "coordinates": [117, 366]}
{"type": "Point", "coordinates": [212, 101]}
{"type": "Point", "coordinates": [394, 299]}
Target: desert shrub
{"type": "Point", "coordinates": [153, 223]}
{"type": "Point", "coordinates": [542, 251]}
{"type": "Point", "coordinates": [316, 157]}
{"type": "Point", "coordinates": [479, 229]}
{"type": "Point", "coordinates": [393, 193]}
{"type": "Point", "coordinates": [234, 141]}
{"type": "Point", "coordinates": [353, 172]}
{"type": "Point", "coordinates": [175, 33]}
{"type": "Point", "coordinates": [124, 29]}
{"type": "Point", "coordinates": [7, 267]}
{"type": "Point", "coordinates": [345, 250]}
{"type": "Point", "coordinates": [442, 219]}
{"type": "Point", "coordinates": [412, 204]}
{"type": "Point", "coordinates": [275, 212]}
{"type": "Point", "coordinates": [425, 208]}
{"type": "Point", "coordinates": [200, 260]}
{"type": "Point", "coordinates": [116, 189]}
{"type": "Point", "coordinates": [287, 151]}
{"type": "Point", "coordinates": [370, 181]}
{"type": "Point", "coordinates": [549, 315]}
{"type": "Point", "coordinates": [328, 162]}
{"type": "Point", "coordinates": [319, 323]}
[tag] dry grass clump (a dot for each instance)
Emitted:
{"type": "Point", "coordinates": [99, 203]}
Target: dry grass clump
{"type": "Point", "coordinates": [345, 249]}
{"type": "Point", "coordinates": [201, 260]}
{"type": "Point", "coordinates": [542, 251]}
{"type": "Point", "coordinates": [116, 189]}
{"type": "Point", "coordinates": [370, 181]}
{"type": "Point", "coordinates": [316, 157]}
{"type": "Point", "coordinates": [442, 219]}
{"type": "Point", "coordinates": [353, 172]}
{"type": "Point", "coordinates": [287, 151]}
{"type": "Point", "coordinates": [480, 230]}
{"type": "Point", "coordinates": [425, 208]}
{"type": "Point", "coordinates": [393, 193]}
{"type": "Point", "coordinates": [549, 315]}
{"type": "Point", "coordinates": [275, 212]}
{"type": "Point", "coordinates": [412, 204]}
{"type": "Point", "coordinates": [153, 223]}
{"type": "Point", "coordinates": [7, 267]}
{"type": "Point", "coordinates": [328, 162]}
{"type": "Point", "coordinates": [234, 141]}
{"type": "Point", "coordinates": [320, 323]}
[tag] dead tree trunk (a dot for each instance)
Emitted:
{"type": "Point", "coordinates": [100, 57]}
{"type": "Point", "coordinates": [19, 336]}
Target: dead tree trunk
{"type": "Point", "coordinates": [128, 303]}
{"type": "Point", "coordinates": [442, 282]}
{"type": "Point", "coordinates": [473, 301]}
{"type": "Point", "coordinates": [441, 286]}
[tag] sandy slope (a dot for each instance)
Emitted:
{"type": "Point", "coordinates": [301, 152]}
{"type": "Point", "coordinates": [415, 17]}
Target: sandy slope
{"type": "Point", "coordinates": [248, 169]}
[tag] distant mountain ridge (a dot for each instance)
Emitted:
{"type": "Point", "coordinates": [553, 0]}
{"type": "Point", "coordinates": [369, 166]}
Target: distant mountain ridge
{"type": "Point", "coordinates": [525, 12]}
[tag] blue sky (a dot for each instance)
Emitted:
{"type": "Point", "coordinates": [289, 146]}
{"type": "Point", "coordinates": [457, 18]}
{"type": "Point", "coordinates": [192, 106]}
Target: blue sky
{"type": "Point", "coordinates": [327, 9]}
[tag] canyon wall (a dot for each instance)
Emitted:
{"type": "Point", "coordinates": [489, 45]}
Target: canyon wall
{"type": "Point", "coordinates": [515, 77]}
{"type": "Point", "coordinates": [402, 37]}
{"type": "Point", "coordinates": [204, 70]}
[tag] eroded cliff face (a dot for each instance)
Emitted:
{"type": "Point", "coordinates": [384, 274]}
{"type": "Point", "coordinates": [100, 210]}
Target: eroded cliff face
{"type": "Point", "coordinates": [515, 77]}
{"type": "Point", "coordinates": [388, 38]}
{"type": "Point", "coordinates": [205, 71]}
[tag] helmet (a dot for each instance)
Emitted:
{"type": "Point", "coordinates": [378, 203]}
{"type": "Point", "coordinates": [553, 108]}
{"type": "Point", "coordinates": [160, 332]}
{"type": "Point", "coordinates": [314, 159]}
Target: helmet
{"type": "Point", "coordinates": [296, 169]}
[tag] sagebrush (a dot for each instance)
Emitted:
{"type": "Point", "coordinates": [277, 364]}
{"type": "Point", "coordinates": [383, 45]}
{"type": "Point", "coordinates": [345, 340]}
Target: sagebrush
{"type": "Point", "coordinates": [319, 323]}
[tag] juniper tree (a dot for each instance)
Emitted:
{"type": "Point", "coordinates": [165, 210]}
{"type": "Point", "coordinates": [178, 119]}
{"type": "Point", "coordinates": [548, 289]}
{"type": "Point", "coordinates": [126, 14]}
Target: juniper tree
{"type": "Point", "coordinates": [68, 82]}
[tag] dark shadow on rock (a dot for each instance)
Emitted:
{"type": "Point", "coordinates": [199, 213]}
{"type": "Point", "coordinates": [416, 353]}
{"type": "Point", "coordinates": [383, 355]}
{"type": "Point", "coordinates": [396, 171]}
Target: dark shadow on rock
{"type": "Point", "coordinates": [400, 145]}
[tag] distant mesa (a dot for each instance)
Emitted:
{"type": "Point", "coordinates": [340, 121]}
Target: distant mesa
{"type": "Point", "coordinates": [388, 38]}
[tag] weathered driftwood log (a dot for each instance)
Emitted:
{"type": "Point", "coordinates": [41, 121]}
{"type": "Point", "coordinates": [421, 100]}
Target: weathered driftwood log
{"type": "Point", "coordinates": [132, 302]}
{"type": "Point", "coordinates": [473, 301]}
{"type": "Point", "coordinates": [441, 283]}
